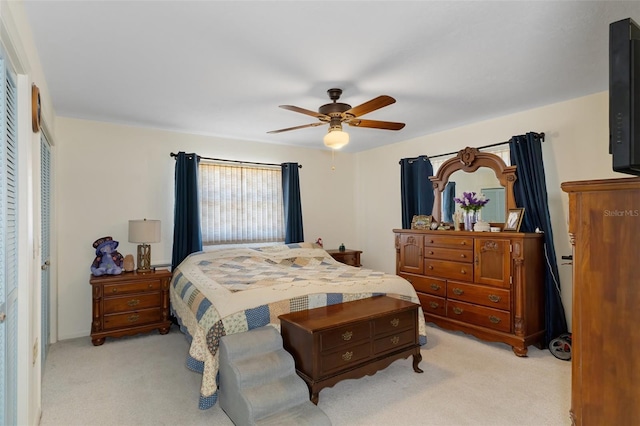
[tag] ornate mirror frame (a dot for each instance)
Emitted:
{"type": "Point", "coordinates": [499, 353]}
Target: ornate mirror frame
{"type": "Point", "coordinates": [470, 160]}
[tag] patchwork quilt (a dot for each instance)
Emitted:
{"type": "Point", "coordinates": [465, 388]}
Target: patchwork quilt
{"type": "Point", "coordinates": [232, 290]}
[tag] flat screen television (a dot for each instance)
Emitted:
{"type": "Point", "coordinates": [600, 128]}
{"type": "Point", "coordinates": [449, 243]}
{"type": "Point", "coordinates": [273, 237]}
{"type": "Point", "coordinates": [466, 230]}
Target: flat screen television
{"type": "Point", "coordinates": [624, 96]}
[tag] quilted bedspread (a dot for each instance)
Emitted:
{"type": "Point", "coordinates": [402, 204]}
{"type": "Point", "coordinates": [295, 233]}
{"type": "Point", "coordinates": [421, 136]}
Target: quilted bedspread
{"type": "Point", "coordinates": [232, 290]}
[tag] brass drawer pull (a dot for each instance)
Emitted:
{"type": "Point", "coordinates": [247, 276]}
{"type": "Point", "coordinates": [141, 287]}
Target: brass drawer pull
{"type": "Point", "coordinates": [347, 356]}
{"type": "Point", "coordinates": [347, 335]}
{"type": "Point", "coordinates": [395, 340]}
{"type": "Point", "coordinates": [133, 302]}
{"type": "Point", "coordinates": [458, 291]}
{"type": "Point", "coordinates": [494, 298]}
{"type": "Point", "coordinates": [462, 271]}
{"type": "Point", "coordinates": [434, 305]}
{"type": "Point", "coordinates": [133, 318]}
{"type": "Point", "coordinates": [395, 322]}
{"type": "Point", "coordinates": [494, 320]}
{"type": "Point", "coordinates": [463, 255]}
{"type": "Point", "coordinates": [435, 287]}
{"type": "Point", "coordinates": [430, 267]}
{"type": "Point", "coordinates": [457, 310]}
{"type": "Point", "coordinates": [464, 243]}
{"type": "Point", "coordinates": [430, 252]}
{"type": "Point", "coordinates": [150, 285]}
{"type": "Point", "coordinates": [115, 289]}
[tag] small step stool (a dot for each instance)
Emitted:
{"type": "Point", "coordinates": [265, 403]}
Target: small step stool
{"type": "Point", "coordinates": [259, 385]}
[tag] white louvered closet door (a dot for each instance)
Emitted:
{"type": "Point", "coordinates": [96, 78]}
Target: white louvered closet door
{"type": "Point", "coordinates": [8, 247]}
{"type": "Point", "coordinates": [45, 217]}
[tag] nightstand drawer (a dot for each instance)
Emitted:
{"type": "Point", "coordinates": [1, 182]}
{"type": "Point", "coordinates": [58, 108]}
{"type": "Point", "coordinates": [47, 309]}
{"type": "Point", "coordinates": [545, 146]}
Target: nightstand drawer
{"type": "Point", "coordinates": [129, 303]}
{"type": "Point", "coordinates": [394, 322]}
{"type": "Point", "coordinates": [131, 287]}
{"type": "Point", "coordinates": [132, 319]}
{"type": "Point", "coordinates": [344, 335]}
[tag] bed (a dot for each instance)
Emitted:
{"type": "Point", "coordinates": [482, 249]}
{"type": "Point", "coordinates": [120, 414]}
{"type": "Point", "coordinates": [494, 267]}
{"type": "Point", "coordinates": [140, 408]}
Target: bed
{"type": "Point", "coordinates": [232, 290]}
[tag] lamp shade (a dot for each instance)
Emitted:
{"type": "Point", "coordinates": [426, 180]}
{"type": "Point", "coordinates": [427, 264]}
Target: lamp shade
{"type": "Point", "coordinates": [144, 231]}
{"type": "Point", "coordinates": [336, 138]}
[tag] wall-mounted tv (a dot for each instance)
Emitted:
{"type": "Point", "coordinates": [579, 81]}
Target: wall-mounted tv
{"type": "Point", "coordinates": [624, 96]}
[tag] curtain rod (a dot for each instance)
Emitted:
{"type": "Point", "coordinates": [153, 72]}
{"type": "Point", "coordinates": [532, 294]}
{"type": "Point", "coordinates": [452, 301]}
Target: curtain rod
{"type": "Point", "coordinates": [538, 135]}
{"type": "Point", "coordinates": [235, 161]}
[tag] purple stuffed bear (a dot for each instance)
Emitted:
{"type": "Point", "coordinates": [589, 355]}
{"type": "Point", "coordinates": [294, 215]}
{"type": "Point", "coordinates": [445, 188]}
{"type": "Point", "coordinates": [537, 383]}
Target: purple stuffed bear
{"type": "Point", "coordinates": [108, 260]}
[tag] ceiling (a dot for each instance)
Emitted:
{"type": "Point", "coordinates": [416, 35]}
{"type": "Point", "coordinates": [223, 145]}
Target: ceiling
{"type": "Point", "coordinates": [221, 68]}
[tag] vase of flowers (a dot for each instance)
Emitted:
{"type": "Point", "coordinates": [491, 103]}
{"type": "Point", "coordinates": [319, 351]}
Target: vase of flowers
{"type": "Point", "coordinates": [471, 204]}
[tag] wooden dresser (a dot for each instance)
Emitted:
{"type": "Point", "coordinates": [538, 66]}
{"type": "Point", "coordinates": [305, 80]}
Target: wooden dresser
{"type": "Point", "coordinates": [490, 285]}
{"type": "Point", "coordinates": [604, 225]}
{"type": "Point", "coordinates": [350, 340]}
{"type": "Point", "coordinates": [348, 256]}
{"type": "Point", "coordinates": [130, 303]}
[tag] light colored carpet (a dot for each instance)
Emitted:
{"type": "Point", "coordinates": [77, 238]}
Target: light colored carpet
{"type": "Point", "coordinates": [143, 380]}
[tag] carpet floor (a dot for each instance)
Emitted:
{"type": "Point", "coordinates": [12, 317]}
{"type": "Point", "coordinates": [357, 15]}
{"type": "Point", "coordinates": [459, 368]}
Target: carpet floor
{"type": "Point", "coordinates": [143, 380]}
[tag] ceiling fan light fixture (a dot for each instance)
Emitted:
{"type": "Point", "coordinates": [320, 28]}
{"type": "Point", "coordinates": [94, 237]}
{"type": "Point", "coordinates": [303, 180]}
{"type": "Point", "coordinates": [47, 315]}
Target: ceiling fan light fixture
{"type": "Point", "coordinates": [336, 138]}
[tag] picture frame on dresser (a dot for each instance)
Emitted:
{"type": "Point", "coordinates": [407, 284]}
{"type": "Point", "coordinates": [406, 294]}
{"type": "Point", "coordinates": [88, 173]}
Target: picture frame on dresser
{"type": "Point", "coordinates": [514, 220]}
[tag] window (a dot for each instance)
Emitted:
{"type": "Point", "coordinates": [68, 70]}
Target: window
{"type": "Point", "coordinates": [240, 204]}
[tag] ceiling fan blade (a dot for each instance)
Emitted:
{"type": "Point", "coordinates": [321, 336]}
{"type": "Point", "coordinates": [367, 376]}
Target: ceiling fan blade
{"type": "Point", "coordinates": [304, 111]}
{"type": "Point", "coordinates": [372, 105]}
{"type": "Point", "coordinates": [375, 124]}
{"type": "Point", "coordinates": [319, 123]}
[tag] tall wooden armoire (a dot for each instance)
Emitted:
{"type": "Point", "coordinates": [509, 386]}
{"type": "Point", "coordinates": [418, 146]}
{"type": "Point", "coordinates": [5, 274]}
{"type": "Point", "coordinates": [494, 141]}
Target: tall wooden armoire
{"type": "Point", "coordinates": [604, 227]}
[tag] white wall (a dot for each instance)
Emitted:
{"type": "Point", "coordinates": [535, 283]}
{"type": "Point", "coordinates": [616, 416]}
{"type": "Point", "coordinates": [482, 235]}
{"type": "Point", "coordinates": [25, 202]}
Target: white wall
{"type": "Point", "coordinates": [108, 174]}
{"type": "Point", "coordinates": [576, 148]}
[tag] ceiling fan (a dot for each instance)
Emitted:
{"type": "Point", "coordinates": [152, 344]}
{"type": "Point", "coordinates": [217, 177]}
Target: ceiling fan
{"type": "Point", "coordinates": [336, 113]}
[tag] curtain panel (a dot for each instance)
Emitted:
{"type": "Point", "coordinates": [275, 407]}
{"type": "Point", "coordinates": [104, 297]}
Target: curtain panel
{"type": "Point", "coordinates": [186, 226]}
{"type": "Point", "coordinates": [531, 193]}
{"type": "Point", "coordinates": [416, 188]}
{"type": "Point", "coordinates": [292, 203]}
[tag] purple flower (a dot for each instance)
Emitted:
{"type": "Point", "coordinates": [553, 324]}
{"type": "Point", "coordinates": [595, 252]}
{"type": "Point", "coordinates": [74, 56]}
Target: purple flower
{"type": "Point", "coordinates": [469, 201]}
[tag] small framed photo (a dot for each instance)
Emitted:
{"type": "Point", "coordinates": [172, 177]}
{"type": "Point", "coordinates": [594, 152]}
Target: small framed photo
{"type": "Point", "coordinates": [514, 220]}
{"type": "Point", "coordinates": [421, 222]}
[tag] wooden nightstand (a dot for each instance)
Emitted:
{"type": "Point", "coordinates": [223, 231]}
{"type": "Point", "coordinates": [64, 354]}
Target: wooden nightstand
{"type": "Point", "coordinates": [348, 256]}
{"type": "Point", "coordinates": [130, 303]}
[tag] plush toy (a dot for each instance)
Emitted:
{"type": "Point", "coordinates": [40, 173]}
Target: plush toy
{"type": "Point", "coordinates": [108, 260]}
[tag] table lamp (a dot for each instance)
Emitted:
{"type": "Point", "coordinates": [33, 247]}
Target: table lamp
{"type": "Point", "coordinates": [144, 232]}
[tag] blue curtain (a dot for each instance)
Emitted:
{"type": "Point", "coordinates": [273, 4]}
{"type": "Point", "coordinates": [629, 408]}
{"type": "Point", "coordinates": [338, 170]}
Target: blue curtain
{"type": "Point", "coordinates": [416, 188]}
{"type": "Point", "coordinates": [531, 193]}
{"type": "Point", "coordinates": [187, 236]}
{"type": "Point", "coordinates": [292, 204]}
{"type": "Point", "coordinates": [448, 202]}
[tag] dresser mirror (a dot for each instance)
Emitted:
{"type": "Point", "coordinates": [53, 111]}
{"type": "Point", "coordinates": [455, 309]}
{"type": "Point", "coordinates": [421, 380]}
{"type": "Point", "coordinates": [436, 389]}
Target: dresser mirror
{"type": "Point", "coordinates": [474, 171]}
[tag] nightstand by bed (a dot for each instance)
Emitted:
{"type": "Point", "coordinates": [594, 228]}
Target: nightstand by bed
{"type": "Point", "coordinates": [129, 303]}
{"type": "Point", "coordinates": [348, 256]}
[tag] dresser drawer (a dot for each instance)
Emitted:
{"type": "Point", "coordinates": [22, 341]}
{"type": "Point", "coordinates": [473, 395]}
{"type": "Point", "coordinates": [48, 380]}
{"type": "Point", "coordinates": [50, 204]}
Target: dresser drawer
{"type": "Point", "coordinates": [449, 241]}
{"type": "Point", "coordinates": [344, 335]}
{"type": "Point", "coordinates": [443, 253]}
{"type": "Point", "coordinates": [481, 295]}
{"type": "Point", "coordinates": [435, 286]}
{"type": "Point", "coordinates": [131, 287]}
{"type": "Point", "coordinates": [129, 303]}
{"type": "Point", "coordinates": [394, 322]}
{"type": "Point", "coordinates": [432, 304]}
{"type": "Point", "coordinates": [132, 319]}
{"type": "Point", "coordinates": [452, 270]}
{"type": "Point", "coordinates": [349, 355]}
{"type": "Point", "coordinates": [394, 341]}
{"type": "Point", "coordinates": [479, 315]}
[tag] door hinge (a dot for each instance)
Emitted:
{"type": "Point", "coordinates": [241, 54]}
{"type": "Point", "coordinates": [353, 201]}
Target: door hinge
{"type": "Point", "coordinates": [510, 279]}
{"type": "Point", "coordinates": [510, 248]}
